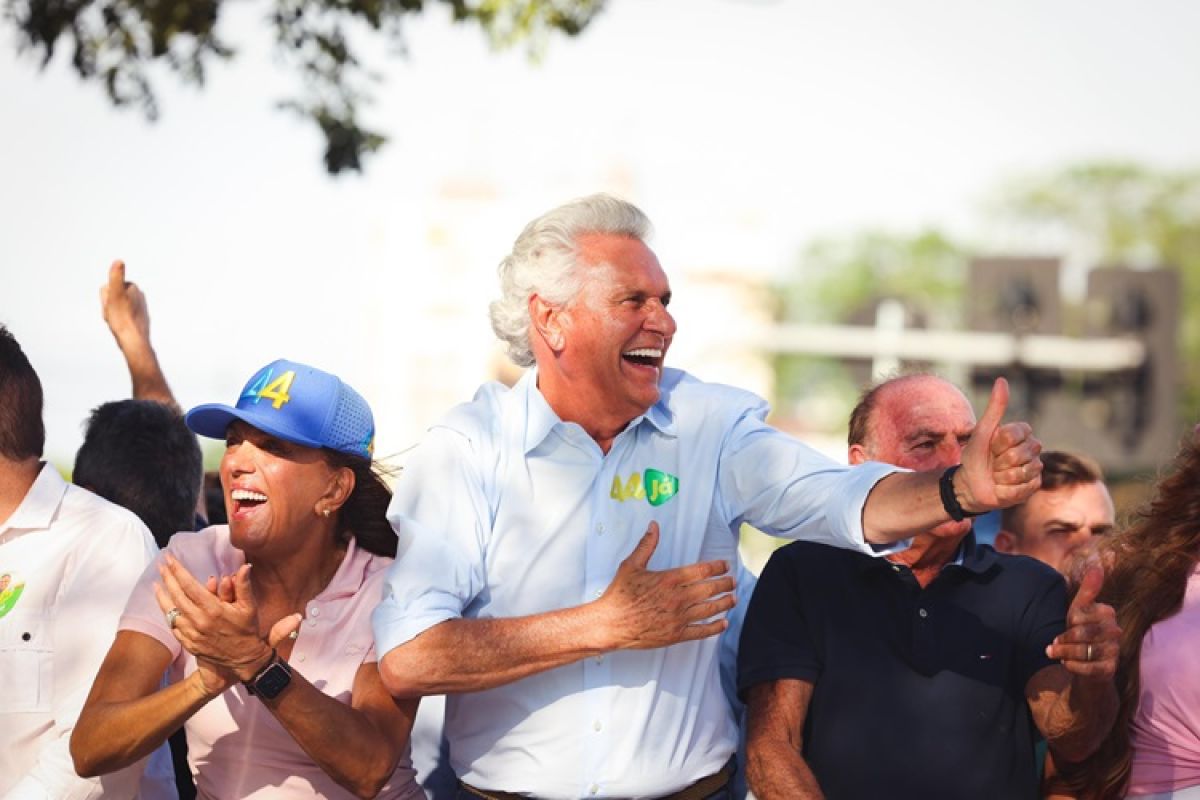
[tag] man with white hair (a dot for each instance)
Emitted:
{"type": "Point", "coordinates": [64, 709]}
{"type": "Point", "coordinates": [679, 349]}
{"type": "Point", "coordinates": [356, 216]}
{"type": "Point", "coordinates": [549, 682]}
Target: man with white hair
{"type": "Point", "coordinates": [566, 545]}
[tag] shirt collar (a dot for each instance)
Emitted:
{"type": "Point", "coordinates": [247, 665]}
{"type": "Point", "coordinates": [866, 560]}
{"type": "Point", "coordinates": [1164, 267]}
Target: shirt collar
{"type": "Point", "coordinates": [970, 556]}
{"type": "Point", "coordinates": [974, 557]}
{"type": "Point", "coordinates": [540, 418]}
{"type": "Point", "coordinates": [350, 574]}
{"type": "Point", "coordinates": [40, 505]}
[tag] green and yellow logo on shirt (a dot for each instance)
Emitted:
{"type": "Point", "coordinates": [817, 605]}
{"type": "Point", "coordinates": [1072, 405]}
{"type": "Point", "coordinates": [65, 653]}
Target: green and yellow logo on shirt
{"type": "Point", "coordinates": [10, 592]}
{"type": "Point", "coordinates": [655, 487]}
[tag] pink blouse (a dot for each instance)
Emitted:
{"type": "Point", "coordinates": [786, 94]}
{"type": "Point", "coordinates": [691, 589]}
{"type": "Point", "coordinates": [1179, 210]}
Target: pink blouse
{"type": "Point", "coordinates": [236, 748]}
{"type": "Point", "coordinates": [1166, 727]}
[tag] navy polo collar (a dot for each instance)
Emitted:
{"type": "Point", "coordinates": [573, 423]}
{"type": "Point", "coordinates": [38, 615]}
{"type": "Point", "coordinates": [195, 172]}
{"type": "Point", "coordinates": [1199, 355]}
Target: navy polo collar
{"type": "Point", "coordinates": [971, 556]}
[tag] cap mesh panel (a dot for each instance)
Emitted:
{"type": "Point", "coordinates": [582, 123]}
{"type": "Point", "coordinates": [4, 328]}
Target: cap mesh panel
{"type": "Point", "coordinates": [352, 425]}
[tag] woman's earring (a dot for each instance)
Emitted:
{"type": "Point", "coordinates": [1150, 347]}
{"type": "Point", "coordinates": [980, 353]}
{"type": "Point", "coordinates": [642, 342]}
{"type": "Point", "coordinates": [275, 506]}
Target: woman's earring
{"type": "Point", "coordinates": [325, 511]}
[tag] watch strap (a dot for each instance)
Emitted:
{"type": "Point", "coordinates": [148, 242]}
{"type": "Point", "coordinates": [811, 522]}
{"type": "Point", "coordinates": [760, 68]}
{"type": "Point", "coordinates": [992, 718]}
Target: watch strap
{"type": "Point", "coordinates": [271, 679]}
{"type": "Point", "coordinates": [949, 499]}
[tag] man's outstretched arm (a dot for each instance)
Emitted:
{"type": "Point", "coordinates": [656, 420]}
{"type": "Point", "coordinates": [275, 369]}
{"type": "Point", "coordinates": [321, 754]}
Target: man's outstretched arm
{"type": "Point", "coordinates": [641, 609]}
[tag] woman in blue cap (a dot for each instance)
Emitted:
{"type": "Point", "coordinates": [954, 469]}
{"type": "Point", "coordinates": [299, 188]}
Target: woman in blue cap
{"type": "Point", "coordinates": [262, 626]}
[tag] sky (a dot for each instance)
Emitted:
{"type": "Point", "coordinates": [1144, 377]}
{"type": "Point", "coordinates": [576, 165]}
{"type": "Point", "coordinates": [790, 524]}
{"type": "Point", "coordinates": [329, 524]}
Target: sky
{"type": "Point", "coordinates": [745, 129]}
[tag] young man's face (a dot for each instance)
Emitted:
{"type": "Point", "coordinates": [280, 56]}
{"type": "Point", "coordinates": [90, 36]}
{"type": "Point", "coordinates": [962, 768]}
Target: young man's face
{"type": "Point", "coordinates": [1053, 524]}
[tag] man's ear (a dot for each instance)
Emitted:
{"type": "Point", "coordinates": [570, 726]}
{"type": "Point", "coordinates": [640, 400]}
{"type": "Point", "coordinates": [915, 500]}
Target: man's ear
{"type": "Point", "coordinates": [547, 321]}
{"type": "Point", "coordinates": [858, 455]}
{"type": "Point", "coordinates": [1006, 542]}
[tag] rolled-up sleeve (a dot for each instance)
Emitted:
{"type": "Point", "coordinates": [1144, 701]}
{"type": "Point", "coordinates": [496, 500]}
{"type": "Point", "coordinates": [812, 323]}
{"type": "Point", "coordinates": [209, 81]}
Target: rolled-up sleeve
{"type": "Point", "coordinates": [439, 567]}
{"type": "Point", "coordinates": [785, 488]}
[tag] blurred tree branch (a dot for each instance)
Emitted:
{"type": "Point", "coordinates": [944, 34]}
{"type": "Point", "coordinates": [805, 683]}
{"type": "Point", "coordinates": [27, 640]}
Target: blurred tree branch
{"type": "Point", "coordinates": [115, 42]}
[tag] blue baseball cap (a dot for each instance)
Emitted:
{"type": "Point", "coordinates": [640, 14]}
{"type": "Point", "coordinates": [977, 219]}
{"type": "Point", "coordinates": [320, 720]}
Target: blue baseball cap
{"type": "Point", "coordinates": [297, 403]}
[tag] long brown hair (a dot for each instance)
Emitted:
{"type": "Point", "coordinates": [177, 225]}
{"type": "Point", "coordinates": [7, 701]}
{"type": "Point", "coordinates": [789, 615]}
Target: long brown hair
{"type": "Point", "coordinates": [1150, 565]}
{"type": "Point", "coordinates": [364, 514]}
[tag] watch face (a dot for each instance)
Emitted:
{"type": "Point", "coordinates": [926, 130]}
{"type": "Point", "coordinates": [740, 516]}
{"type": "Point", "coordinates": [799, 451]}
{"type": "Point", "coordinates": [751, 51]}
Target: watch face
{"type": "Point", "coordinates": [273, 680]}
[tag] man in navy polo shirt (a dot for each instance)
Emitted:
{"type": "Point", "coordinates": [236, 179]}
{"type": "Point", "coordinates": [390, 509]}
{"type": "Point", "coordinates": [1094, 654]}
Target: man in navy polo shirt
{"type": "Point", "coordinates": [930, 672]}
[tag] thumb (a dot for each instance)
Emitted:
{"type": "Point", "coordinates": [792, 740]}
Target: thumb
{"type": "Point", "coordinates": [284, 628]}
{"type": "Point", "coordinates": [640, 556]}
{"type": "Point", "coordinates": [243, 590]}
{"type": "Point", "coordinates": [1089, 587]}
{"type": "Point", "coordinates": [993, 414]}
{"type": "Point", "coordinates": [116, 276]}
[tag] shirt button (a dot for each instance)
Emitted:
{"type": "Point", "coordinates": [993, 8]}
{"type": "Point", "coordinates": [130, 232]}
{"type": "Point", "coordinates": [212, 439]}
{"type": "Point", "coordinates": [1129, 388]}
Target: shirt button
{"type": "Point", "coordinates": [599, 527]}
{"type": "Point", "coordinates": [314, 612]}
{"type": "Point", "coordinates": [593, 789]}
{"type": "Point", "coordinates": [599, 593]}
{"type": "Point", "coordinates": [599, 659]}
{"type": "Point", "coordinates": [923, 613]}
{"type": "Point", "coordinates": [596, 726]}
{"type": "Point", "coordinates": [312, 623]}
{"type": "Point", "coordinates": [895, 568]}
{"type": "Point", "coordinates": [300, 657]}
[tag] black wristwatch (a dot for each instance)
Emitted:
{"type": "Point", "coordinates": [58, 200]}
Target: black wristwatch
{"type": "Point", "coordinates": [270, 681]}
{"type": "Point", "coordinates": [949, 499]}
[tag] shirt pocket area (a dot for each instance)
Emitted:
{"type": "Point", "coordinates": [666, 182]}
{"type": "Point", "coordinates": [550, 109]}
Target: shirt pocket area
{"type": "Point", "coordinates": [26, 662]}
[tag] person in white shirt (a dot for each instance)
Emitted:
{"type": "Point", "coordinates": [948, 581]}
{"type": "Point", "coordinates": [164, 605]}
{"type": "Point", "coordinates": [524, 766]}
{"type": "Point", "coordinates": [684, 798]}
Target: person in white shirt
{"type": "Point", "coordinates": [585, 530]}
{"type": "Point", "coordinates": [69, 560]}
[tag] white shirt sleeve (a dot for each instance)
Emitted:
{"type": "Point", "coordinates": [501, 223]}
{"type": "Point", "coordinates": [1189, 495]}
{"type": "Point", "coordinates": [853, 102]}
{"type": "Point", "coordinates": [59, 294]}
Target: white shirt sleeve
{"type": "Point", "coordinates": [95, 588]}
{"type": "Point", "coordinates": [442, 517]}
{"type": "Point", "coordinates": [785, 488]}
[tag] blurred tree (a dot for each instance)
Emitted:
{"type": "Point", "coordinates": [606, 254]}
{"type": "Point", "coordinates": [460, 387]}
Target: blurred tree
{"type": "Point", "coordinates": [1119, 213]}
{"type": "Point", "coordinates": [842, 279]}
{"type": "Point", "coordinates": [115, 42]}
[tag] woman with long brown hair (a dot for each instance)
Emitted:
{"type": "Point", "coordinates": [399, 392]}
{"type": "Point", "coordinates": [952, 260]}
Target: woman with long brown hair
{"type": "Point", "coordinates": [1153, 750]}
{"type": "Point", "coordinates": [270, 664]}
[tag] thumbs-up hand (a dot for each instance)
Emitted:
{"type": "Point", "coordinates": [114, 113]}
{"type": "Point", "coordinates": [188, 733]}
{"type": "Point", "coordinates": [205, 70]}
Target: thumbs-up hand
{"type": "Point", "coordinates": [1091, 643]}
{"type": "Point", "coordinates": [1000, 463]}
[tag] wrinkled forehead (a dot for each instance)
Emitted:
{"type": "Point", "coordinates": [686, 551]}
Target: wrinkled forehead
{"type": "Point", "coordinates": [921, 406]}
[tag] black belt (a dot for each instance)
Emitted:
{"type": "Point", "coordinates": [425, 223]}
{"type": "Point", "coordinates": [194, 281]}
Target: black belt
{"type": "Point", "coordinates": [694, 791]}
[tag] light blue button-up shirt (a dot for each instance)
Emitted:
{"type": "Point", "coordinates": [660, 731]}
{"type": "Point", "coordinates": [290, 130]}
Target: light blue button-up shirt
{"type": "Point", "coordinates": [519, 513]}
